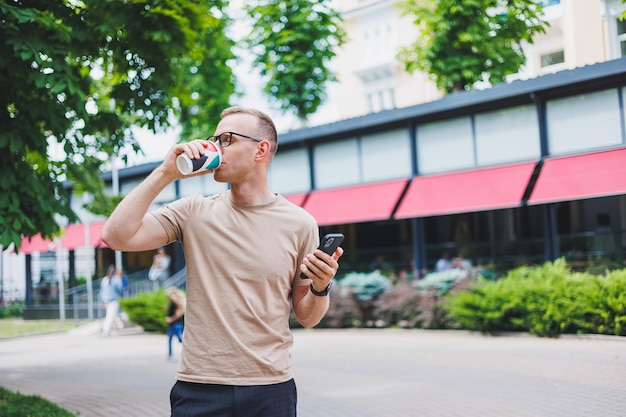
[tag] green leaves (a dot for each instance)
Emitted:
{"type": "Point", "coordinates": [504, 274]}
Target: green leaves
{"type": "Point", "coordinates": [293, 42]}
{"type": "Point", "coordinates": [547, 301]}
{"type": "Point", "coordinates": [51, 52]}
{"type": "Point", "coordinates": [462, 42]}
{"type": "Point", "coordinates": [75, 76]}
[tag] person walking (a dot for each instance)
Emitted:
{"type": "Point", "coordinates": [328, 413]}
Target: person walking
{"type": "Point", "coordinates": [244, 249]}
{"type": "Point", "coordinates": [111, 291]}
{"type": "Point", "coordinates": [175, 317]}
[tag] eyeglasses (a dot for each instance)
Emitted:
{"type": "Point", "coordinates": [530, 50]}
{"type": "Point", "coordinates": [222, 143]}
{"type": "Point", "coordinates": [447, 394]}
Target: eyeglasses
{"type": "Point", "coordinates": [226, 138]}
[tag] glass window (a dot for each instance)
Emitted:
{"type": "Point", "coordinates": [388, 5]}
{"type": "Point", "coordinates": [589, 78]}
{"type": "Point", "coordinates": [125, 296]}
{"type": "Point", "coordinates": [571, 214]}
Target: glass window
{"type": "Point", "coordinates": [289, 172]}
{"type": "Point", "coordinates": [445, 145]}
{"type": "Point", "coordinates": [336, 164]}
{"type": "Point", "coordinates": [167, 195]}
{"type": "Point", "coordinates": [507, 135]}
{"type": "Point", "coordinates": [127, 186]}
{"type": "Point", "coordinates": [621, 27]}
{"type": "Point", "coordinates": [584, 122]}
{"type": "Point", "coordinates": [553, 58]}
{"type": "Point", "coordinates": [386, 155]}
{"type": "Point", "coordinates": [621, 35]}
{"type": "Point", "coordinates": [204, 184]}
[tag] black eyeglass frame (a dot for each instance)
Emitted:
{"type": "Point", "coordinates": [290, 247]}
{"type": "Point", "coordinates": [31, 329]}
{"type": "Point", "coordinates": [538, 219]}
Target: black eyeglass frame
{"type": "Point", "coordinates": [226, 143]}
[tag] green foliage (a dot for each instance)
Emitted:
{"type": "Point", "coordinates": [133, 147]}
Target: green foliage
{"type": "Point", "coordinates": [12, 309]}
{"type": "Point", "coordinates": [14, 404]}
{"type": "Point", "coordinates": [548, 300]}
{"type": "Point", "coordinates": [461, 42]}
{"type": "Point", "coordinates": [147, 310]}
{"type": "Point", "coordinates": [75, 76]}
{"type": "Point", "coordinates": [293, 42]}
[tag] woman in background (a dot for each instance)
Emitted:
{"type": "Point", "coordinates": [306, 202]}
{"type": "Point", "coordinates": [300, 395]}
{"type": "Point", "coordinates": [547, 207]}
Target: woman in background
{"type": "Point", "coordinates": [111, 291]}
{"type": "Point", "coordinates": [175, 316]}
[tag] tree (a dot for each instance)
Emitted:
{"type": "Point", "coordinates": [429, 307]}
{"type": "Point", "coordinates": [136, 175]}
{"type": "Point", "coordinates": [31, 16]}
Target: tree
{"type": "Point", "coordinates": [293, 42]}
{"type": "Point", "coordinates": [75, 75]}
{"type": "Point", "coordinates": [464, 41]}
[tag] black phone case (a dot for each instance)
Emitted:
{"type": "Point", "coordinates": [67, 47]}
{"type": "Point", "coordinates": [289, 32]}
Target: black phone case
{"type": "Point", "coordinates": [328, 244]}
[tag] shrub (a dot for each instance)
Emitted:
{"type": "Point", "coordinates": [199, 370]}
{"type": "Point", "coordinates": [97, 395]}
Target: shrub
{"type": "Point", "coordinates": [12, 309]}
{"type": "Point", "coordinates": [400, 306]}
{"type": "Point", "coordinates": [548, 300]}
{"type": "Point", "coordinates": [343, 311]}
{"type": "Point", "coordinates": [147, 310]}
{"type": "Point", "coordinates": [610, 310]}
{"type": "Point", "coordinates": [365, 288]}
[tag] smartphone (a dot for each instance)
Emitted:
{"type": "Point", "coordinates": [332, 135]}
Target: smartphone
{"type": "Point", "coordinates": [328, 244]}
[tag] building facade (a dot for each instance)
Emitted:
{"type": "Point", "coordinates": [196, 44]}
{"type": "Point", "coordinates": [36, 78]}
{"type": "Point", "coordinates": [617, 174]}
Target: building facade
{"type": "Point", "coordinates": [517, 174]}
{"type": "Point", "coordinates": [371, 79]}
{"type": "Point", "coordinates": [401, 143]}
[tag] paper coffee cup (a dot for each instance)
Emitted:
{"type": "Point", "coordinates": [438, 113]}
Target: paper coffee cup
{"type": "Point", "coordinates": [211, 159]}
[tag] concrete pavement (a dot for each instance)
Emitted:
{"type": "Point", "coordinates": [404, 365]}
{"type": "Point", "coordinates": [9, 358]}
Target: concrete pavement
{"type": "Point", "coordinates": [347, 373]}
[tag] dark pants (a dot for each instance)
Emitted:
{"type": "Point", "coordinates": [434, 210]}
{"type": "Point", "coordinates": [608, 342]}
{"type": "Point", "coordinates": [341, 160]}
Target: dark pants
{"type": "Point", "coordinates": [210, 400]}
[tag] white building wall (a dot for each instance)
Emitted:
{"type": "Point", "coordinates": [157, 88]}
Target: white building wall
{"type": "Point", "coordinates": [370, 78]}
{"type": "Point", "coordinates": [13, 271]}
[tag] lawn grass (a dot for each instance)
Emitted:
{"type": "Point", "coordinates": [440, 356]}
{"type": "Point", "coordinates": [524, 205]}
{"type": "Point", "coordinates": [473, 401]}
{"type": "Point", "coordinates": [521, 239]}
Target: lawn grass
{"type": "Point", "coordinates": [14, 327]}
{"type": "Point", "coordinates": [14, 404]}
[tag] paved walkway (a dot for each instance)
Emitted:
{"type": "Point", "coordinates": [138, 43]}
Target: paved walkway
{"type": "Point", "coordinates": [343, 373]}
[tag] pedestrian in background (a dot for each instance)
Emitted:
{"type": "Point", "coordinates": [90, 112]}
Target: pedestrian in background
{"type": "Point", "coordinates": [159, 271]}
{"type": "Point", "coordinates": [175, 317]}
{"type": "Point", "coordinates": [111, 291]}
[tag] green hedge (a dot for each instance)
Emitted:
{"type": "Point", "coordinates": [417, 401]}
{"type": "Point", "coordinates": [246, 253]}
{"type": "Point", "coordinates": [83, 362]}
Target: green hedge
{"type": "Point", "coordinates": [547, 300]}
{"type": "Point", "coordinates": [148, 310]}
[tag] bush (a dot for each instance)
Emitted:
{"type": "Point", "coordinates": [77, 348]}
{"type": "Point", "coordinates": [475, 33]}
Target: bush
{"type": "Point", "coordinates": [12, 309]}
{"type": "Point", "coordinates": [343, 311]}
{"type": "Point", "coordinates": [147, 310]}
{"type": "Point", "coordinates": [17, 405]}
{"type": "Point", "coordinates": [365, 288]}
{"type": "Point", "coordinates": [400, 307]}
{"type": "Point", "coordinates": [547, 300]}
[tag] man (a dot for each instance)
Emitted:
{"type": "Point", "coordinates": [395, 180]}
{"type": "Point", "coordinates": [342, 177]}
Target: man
{"type": "Point", "coordinates": [245, 250]}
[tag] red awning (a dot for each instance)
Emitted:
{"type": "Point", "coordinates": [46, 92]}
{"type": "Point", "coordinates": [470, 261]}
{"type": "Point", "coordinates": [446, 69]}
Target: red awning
{"type": "Point", "coordinates": [361, 203]}
{"type": "Point", "coordinates": [297, 199]}
{"type": "Point", "coordinates": [73, 237]}
{"type": "Point", "coordinates": [464, 192]}
{"type": "Point", "coordinates": [95, 235]}
{"type": "Point", "coordinates": [36, 244]}
{"type": "Point", "coordinates": [597, 174]}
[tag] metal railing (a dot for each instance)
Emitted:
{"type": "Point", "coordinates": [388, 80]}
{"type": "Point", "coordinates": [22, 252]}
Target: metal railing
{"type": "Point", "coordinates": [83, 301]}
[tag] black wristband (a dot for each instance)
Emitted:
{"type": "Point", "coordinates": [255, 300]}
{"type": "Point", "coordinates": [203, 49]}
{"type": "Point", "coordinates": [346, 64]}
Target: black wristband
{"type": "Point", "coordinates": [322, 293]}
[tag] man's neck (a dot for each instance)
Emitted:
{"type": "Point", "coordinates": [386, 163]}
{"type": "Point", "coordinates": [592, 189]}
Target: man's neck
{"type": "Point", "coordinates": [251, 195]}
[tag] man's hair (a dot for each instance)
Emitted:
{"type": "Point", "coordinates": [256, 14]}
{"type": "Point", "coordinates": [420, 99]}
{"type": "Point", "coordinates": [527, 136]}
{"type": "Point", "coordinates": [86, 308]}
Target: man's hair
{"type": "Point", "coordinates": [267, 129]}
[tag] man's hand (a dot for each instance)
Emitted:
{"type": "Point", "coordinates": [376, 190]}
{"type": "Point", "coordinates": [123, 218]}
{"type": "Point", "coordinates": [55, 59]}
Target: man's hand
{"type": "Point", "coordinates": [321, 268]}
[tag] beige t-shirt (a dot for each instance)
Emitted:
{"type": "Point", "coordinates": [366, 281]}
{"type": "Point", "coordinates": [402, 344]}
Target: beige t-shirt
{"type": "Point", "coordinates": [241, 264]}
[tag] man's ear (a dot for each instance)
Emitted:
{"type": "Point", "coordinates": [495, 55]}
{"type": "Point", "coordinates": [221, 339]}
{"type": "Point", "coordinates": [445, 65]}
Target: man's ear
{"type": "Point", "coordinates": [264, 150]}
